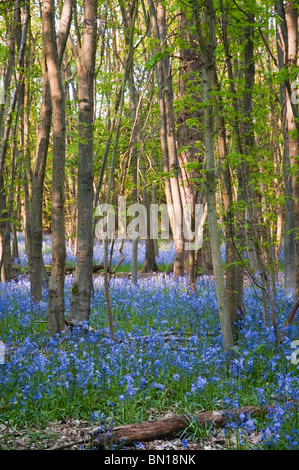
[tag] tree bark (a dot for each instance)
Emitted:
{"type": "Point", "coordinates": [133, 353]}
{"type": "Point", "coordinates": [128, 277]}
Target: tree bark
{"type": "Point", "coordinates": [82, 287]}
{"type": "Point", "coordinates": [169, 427]}
{"type": "Point", "coordinates": [208, 55]}
{"type": "Point", "coordinates": [237, 234]}
{"type": "Point", "coordinates": [168, 138]}
{"type": "Point", "coordinates": [36, 263]}
{"type": "Point", "coordinates": [293, 141]}
{"type": "Point", "coordinates": [289, 244]}
{"type": "Point", "coordinates": [5, 250]}
{"type": "Point", "coordinates": [56, 309]}
{"type": "Point", "coordinates": [178, 266]}
{"type": "Point", "coordinates": [229, 220]}
{"type": "Point", "coordinates": [190, 136]}
{"type": "Point", "coordinates": [19, 80]}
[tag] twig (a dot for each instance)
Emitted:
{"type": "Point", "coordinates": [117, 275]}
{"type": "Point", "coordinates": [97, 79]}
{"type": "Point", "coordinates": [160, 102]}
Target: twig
{"type": "Point", "coordinates": [292, 314]}
{"type": "Point", "coordinates": [67, 444]}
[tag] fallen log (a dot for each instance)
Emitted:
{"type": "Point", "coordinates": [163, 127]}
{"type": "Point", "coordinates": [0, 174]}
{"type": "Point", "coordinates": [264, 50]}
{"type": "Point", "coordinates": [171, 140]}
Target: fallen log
{"type": "Point", "coordinates": [167, 428]}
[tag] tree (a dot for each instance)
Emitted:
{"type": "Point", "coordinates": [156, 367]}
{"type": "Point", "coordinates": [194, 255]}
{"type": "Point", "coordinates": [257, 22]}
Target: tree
{"type": "Point", "coordinates": [291, 17]}
{"type": "Point", "coordinates": [207, 47]}
{"type": "Point", "coordinates": [36, 264]}
{"type": "Point", "coordinates": [168, 136]}
{"type": "Point", "coordinates": [56, 313]}
{"type": "Point", "coordinates": [5, 258]}
{"type": "Point", "coordinates": [289, 247]}
{"type": "Point", "coordinates": [189, 131]}
{"type": "Point", "coordinates": [85, 51]}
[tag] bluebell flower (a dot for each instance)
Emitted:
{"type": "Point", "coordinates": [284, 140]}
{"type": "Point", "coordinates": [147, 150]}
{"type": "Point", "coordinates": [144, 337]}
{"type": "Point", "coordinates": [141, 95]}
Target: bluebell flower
{"type": "Point", "coordinates": [199, 384]}
{"type": "Point", "coordinates": [185, 443]}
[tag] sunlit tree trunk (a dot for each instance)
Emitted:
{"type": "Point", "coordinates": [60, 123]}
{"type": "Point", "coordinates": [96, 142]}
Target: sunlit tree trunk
{"type": "Point", "coordinates": [291, 10]}
{"type": "Point", "coordinates": [19, 36]}
{"type": "Point", "coordinates": [82, 287]}
{"type": "Point", "coordinates": [178, 267]}
{"type": "Point", "coordinates": [56, 284]}
{"type": "Point", "coordinates": [36, 264]}
{"type": "Point", "coordinates": [168, 138]}
{"type": "Point", "coordinates": [289, 246]}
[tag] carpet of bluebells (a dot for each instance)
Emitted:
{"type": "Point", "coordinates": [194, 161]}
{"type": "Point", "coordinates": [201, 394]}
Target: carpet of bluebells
{"type": "Point", "coordinates": [167, 356]}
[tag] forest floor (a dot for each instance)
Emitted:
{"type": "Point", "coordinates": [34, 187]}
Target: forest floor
{"type": "Point", "coordinates": [73, 434]}
{"type": "Point", "coordinates": [157, 308]}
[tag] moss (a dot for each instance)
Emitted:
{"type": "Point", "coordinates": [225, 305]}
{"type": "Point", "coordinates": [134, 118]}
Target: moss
{"type": "Point", "coordinates": [74, 289]}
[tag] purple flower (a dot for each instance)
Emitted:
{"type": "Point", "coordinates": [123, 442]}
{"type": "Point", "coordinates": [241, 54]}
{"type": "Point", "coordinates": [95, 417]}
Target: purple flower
{"type": "Point", "coordinates": [199, 384]}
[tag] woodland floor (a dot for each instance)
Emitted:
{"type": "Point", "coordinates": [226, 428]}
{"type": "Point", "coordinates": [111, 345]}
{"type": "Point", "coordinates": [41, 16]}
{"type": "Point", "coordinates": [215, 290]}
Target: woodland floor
{"type": "Point", "coordinates": [74, 434]}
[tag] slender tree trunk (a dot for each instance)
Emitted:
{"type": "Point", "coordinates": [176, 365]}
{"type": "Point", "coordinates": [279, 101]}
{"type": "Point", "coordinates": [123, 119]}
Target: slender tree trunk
{"type": "Point", "coordinates": [36, 257]}
{"type": "Point", "coordinates": [190, 137]}
{"type": "Point", "coordinates": [228, 221]}
{"type": "Point", "coordinates": [10, 62]}
{"type": "Point", "coordinates": [82, 287]}
{"type": "Point", "coordinates": [178, 267]}
{"type": "Point", "coordinates": [56, 284]}
{"type": "Point", "coordinates": [237, 234]}
{"type": "Point", "coordinates": [40, 158]}
{"type": "Point", "coordinates": [289, 244]}
{"type": "Point", "coordinates": [150, 261]}
{"type": "Point", "coordinates": [26, 167]}
{"type": "Point", "coordinates": [19, 81]}
{"type": "Point", "coordinates": [168, 140]}
{"type": "Point", "coordinates": [149, 264]}
{"type": "Point", "coordinates": [292, 31]}
{"type": "Point", "coordinates": [5, 250]}
{"type": "Point", "coordinates": [163, 128]}
{"type": "Point", "coordinates": [208, 54]}
{"type": "Point", "coordinates": [126, 15]}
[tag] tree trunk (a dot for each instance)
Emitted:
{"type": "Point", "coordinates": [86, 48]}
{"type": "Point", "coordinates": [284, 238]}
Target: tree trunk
{"type": "Point", "coordinates": [56, 284]}
{"type": "Point", "coordinates": [190, 137]}
{"type": "Point", "coordinates": [229, 222]}
{"type": "Point", "coordinates": [5, 249]}
{"type": "Point", "coordinates": [149, 264]}
{"type": "Point", "coordinates": [82, 287]}
{"type": "Point", "coordinates": [208, 55]}
{"type": "Point", "coordinates": [39, 166]}
{"type": "Point", "coordinates": [293, 141]}
{"type": "Point", "coordinates": [127, 20]}
{"type": "Point", "coordinates": [178, 267]}
{"type": "Point", "coordinates": [167, 137]}
{"type": "Point", "coordinates": [289, 244]}
{"type": "Point", "coordinates": [237, 233]}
